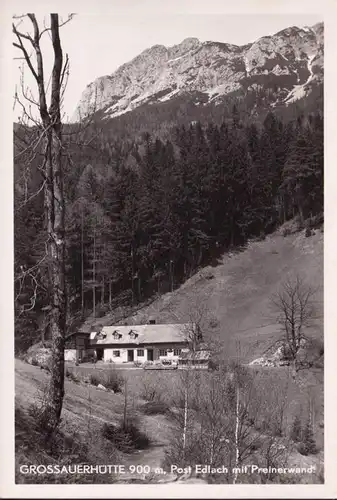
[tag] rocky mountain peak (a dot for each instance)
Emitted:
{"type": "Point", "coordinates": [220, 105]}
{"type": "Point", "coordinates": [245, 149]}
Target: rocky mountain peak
{"type": "Point", "coordinates": [290, 62]}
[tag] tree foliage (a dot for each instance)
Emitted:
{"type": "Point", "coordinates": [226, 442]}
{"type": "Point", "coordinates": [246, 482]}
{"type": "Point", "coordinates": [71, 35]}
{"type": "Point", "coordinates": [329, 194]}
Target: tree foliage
{"type": "Point", "coordinates": [160, 209]}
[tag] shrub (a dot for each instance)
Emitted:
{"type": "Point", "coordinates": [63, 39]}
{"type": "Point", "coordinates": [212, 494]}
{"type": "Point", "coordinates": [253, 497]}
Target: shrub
{"type": "Point", "coordinates": [71, 375]}
{"type": "Point", "coordinates": [302, 449]}
{"type": "Point", "coordinates": [213, 322]}
{"type": "Point", "coordinates": [95, 379]}
{"type": "Point", "coordinates": [110, 380]}
{"type": "Point", "coordinates": [286, 354]}
{"type": "Point", "coordinates": [166, 362]}
{"type": "Point", "coordinates": [41, 413]}
{"type": "Point", "coordinates": [208, 275]}
{"type": "Point", "coordinates": [151, 390]}
{"type": "Point", "coordinates": [126, 436]}
{"type": "Point", "coordinates": [308, 445]}
{"type": "Point", "coordinates": [213, 365]}
{"type": "Point", "coordinates": [296, 430]}
{"type": "Point", "coordinates": [113, 381]}
{"type": "Point", "coordinates": [255, 445]}
{"type": "Point", "coordinates": [155, 408]}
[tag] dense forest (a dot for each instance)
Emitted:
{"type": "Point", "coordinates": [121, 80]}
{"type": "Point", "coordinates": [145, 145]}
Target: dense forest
{"type": "Point", "coordinates": [143, 215]}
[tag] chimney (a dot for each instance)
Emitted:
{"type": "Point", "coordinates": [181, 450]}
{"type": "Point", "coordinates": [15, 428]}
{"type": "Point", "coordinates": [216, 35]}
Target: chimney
{"type": "Point", "coordinates": [152, 321]}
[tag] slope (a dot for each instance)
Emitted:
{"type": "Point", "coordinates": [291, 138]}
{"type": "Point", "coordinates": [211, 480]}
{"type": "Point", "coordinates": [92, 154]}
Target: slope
{"type": "Point", "coordinates": [232, 299]}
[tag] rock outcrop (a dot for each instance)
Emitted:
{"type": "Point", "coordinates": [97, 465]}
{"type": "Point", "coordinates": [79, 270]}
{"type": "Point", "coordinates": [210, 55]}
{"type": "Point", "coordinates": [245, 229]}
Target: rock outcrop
{"type": "Point", "coordinates": [288, 64]}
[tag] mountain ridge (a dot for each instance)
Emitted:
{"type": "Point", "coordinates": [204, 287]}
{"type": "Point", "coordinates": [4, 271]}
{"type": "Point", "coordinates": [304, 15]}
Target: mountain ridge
{"type": "Point", "coordinates": [289, 62]}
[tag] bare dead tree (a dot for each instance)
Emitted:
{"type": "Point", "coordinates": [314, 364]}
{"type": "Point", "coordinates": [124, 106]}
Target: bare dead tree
{"type": "Point", "coordinates": [50, 138]}
{"type": "Point", "coordinates": [215, 424]}
{"type": "Point", "coordinates": [295, 308]}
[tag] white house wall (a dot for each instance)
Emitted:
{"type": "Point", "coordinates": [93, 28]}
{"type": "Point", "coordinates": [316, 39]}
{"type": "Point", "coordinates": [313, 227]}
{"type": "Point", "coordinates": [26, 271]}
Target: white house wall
{"type": "Point", "coordinates": [123, 358]}
{"type": "Point", "coordinates": [108, 355]}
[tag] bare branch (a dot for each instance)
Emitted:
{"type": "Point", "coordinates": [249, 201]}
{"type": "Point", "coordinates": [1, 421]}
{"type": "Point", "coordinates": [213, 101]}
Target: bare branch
{"type": "Point", "coordinates": [23, 49]}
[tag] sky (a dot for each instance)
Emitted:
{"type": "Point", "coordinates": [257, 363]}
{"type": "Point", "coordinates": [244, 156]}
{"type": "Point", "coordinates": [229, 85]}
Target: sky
{"type": "Point", "coordinates": [98, 44]}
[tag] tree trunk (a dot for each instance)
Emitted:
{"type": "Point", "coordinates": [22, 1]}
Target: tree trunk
{"type": "Point", "coordinates": [185, 424]}
{"type": "Point", "coordinates": [56, 234]}
{"type": "Point", "coordinates": [51, 168]}
{"type": "Point", "coordinates": [294, 368]}
{"type": "Point", "coordinates": [82, 264]}
{"type": "Point", "coordinates": [94, 277]}
{"type": "Point", "coordinates": [232, 232]}
{"type": "Point", "coordinates": [110, 293]}
{"type": "Point", "coordinates": [125, 404]}
{"type": "Point", "coordinates": [139, 289]}
{"type": "Point", "coordinates": [237, 424]}
{"type": "Point", "coordinates": [103, 291]}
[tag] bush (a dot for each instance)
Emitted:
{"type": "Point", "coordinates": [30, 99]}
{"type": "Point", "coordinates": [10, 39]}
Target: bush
{"type": "Point", "coordinates": [315, 221]}
{"type": "Point", "coordinates": [213, 322]}
{"type": "Point", "coordinates": [213, 365]}
{"type": "Point", "coordinates": [41, 413]}
{"type": "Point", "coordinates": [110, 380]}
{"type": "Point", "coordinates": [113, 381]}
{"type": "Point", "coordinates": [296, 430]}
{"type": "Point", "coordinates": [286, 354]}
{"type": "Point", "coordinates": [126, 436]}
{"type": "Point", "coordinates": [155, 408]}
{"type": "Point", "coordinates": [71, 375]}
{"type": "Point", "coordinates": [94, 379]}
{"type": "Point", "coordinates": [255, 445]}
{"type": "Point", "coordinates": [308, 445]}
{"type": "Point", "coordinates": [166, 362]}
{"type": "Point", "coordinates": [152, 388]}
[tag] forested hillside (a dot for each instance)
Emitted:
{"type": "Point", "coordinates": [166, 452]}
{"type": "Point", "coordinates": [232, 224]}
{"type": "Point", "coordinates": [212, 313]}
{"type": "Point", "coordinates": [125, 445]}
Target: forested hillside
{"type": "Point", "coordinates": [143, 215]}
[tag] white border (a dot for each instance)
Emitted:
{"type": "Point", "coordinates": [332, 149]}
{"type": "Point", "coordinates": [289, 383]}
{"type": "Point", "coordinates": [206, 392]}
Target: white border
{"type": "Point", "coordinates": [8, 489]}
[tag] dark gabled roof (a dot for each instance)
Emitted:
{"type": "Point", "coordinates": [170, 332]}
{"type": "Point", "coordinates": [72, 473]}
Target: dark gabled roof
{"type": "Point", "coordinates": [140, 334]}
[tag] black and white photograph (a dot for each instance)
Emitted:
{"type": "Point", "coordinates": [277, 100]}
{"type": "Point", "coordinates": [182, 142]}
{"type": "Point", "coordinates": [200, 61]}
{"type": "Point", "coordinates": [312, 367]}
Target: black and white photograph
{"type": "Point", "coordinates": [168, 229]}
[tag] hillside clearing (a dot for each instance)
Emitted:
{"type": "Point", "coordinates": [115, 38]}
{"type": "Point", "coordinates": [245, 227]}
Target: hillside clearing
{"type": "Point", "coordinates": [235, 294]}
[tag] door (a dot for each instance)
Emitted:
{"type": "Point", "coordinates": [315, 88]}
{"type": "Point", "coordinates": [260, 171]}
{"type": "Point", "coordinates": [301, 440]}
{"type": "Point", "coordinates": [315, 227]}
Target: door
{"type": "Point", "coordinates": [150, 354]}
{"type": "Point", "coordinates": [99, 354]}
{"type": "Point", "coordinates": [130, 355]}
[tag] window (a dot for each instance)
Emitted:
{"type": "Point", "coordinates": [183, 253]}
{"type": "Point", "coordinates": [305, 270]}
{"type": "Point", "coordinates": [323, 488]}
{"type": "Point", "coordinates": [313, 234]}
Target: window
{"type": "Point", "coordinates": [177, 352]}
{"type": "Point", "coordinates": [116, 354]}
{"type": "Point", "coordinates": [162, 352]}
{"type": "Point", "coordinates": [133, 334]}
{"type": "Point", "coordinates": [140, 352]}
{"type": "Point", "coordinates": [116, 334]}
